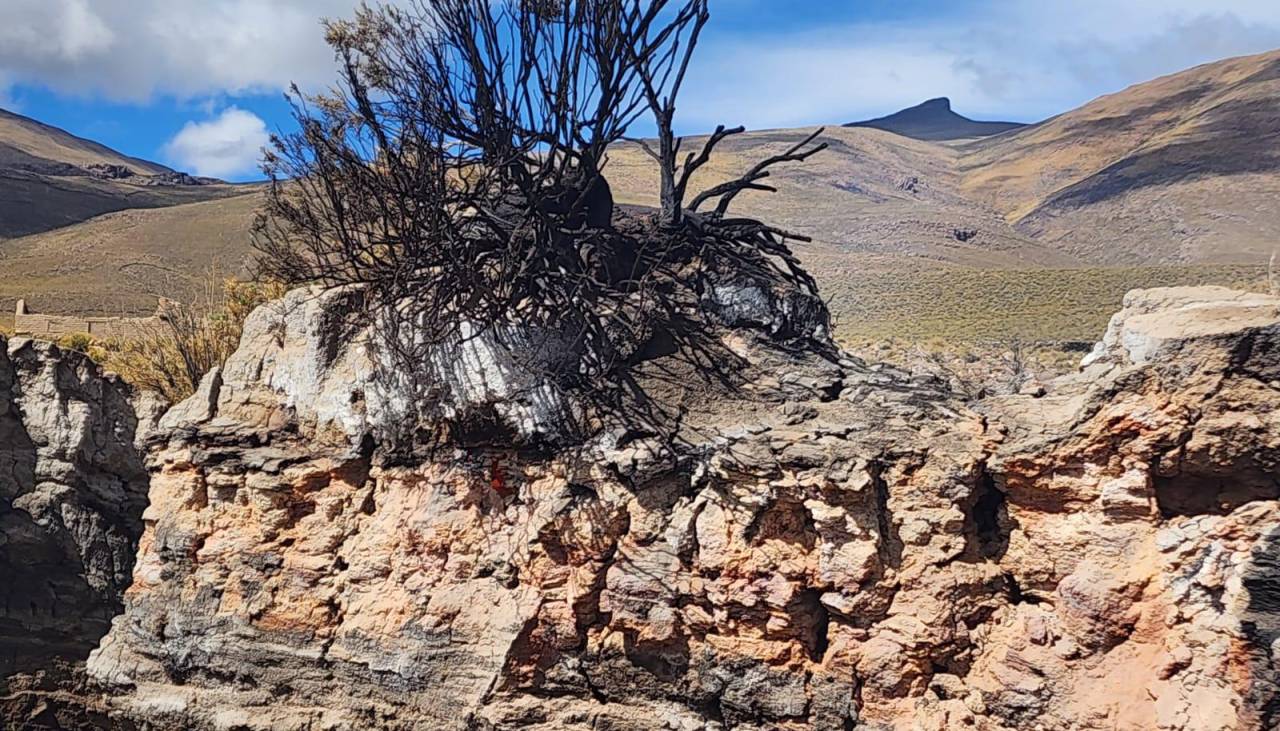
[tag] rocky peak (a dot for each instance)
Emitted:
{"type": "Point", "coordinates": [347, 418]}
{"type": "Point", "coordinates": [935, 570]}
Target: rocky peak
{"type": "Point", "coordinates": [936, 121]}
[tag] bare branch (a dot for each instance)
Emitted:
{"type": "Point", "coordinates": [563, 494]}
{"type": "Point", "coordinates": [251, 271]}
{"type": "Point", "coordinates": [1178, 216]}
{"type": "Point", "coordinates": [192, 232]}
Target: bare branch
{"type": "Point", "coordinates": [646, 147]}
{"type": "Point", "coordinates": [726, 192]}
{"type": "Point", "coordinates": [455, 177]}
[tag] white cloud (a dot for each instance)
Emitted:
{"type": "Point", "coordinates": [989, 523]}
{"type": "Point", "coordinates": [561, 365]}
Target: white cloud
{"type": "Point", "coordinates": [1020, 58]}
{"type": "Point", "coordinates": [227, 146]}
{"type": "Point", "coordinates": [132, 50]}
{"type": "Point", "coordinates": [1024, 59]}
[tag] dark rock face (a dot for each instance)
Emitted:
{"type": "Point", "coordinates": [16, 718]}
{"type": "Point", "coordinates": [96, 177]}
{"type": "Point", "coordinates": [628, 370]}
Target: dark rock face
{"type": "Point", "coordinates": [72, 491]}
{"type": "Point", "coordinates": [175, 178]}
{"type": "Point", "coordinates": [935, 121]}
{"type": "Point", "coordinates": [110, 172]}
{"type": "Point", "coordinates": [1261, 624]}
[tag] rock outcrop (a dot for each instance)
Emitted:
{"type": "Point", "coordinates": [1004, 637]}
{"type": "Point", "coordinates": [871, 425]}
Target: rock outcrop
{"type": "Point", "coordinates": [835, 545]}
{"type": "Point", "coordinates": [1142, 495]}
{"type": "Point", "coordinates": [737, 581]}
{"type": "Point", "coordinates": [72, 492]}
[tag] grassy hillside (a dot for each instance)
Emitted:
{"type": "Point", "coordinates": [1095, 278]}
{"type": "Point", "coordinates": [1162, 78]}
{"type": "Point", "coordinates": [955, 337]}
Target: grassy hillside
{"type": "Point", "coordinates": [961, 305]}
{"type": "Point", "coordinates": [50, 178]}
{"type": "Point", "coordinates": [870, 192]}
{"type": "Point", "coordinates": [1181, 169]}
{"type": "Point", "coordinates": [31, 203]}
{"type": "Point", "coordinates": [39, 141]}
{"type": "Point", "coordinates": [120, 262]}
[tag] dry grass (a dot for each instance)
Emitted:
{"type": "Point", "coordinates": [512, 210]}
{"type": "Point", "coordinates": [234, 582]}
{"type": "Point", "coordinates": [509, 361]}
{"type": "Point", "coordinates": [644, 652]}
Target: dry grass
{"type": "Point", "coordinates": [171, 358]}
{"type": "Point", "coordinates": [994, 331]}
{"type": "Point", "coordinates": [973, 305]}
{"type": "Point", "coordinates": [119, 263]}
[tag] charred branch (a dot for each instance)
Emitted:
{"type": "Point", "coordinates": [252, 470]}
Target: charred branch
{"type": "Point", "coordinates": [456, 173]}
{"type": "Point", "coordinates": [727, 191]}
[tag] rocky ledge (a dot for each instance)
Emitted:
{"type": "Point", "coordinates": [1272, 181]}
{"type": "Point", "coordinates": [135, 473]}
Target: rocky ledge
{"type": "Point", "coordinates": [839, 546]}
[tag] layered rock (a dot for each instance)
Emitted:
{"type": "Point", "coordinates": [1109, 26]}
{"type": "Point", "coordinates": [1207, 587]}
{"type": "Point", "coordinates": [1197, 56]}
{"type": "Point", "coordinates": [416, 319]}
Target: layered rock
{"type": "Point", "coordinates": [72, 491]}
{"type": "Point", "coordinates": [1142, 500]}
{"type": "Point", "coordinates": [834, 545]}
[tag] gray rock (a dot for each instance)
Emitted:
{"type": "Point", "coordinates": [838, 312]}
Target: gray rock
{"type": "Point", "coordinates": [1156, 323]}
{"type": "Point", "coordinates": [72, 491]}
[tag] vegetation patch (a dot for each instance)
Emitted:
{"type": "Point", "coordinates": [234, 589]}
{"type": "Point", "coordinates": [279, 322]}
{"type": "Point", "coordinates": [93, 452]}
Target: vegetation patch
{"type": "Point", "coordinates": [957, 305]}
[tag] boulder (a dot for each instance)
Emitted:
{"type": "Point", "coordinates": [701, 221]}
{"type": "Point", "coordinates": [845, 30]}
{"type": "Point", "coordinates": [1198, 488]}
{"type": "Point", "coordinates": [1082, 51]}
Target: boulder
{"type": "Point", "coordinates": [1157, 323]}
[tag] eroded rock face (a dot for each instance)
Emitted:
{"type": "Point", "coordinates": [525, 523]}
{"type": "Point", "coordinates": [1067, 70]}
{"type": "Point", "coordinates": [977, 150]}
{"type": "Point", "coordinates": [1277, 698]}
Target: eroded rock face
{"type": "Point", "coordinates": [72, 491]}
{"type": "Point", "coordinates": [840, 546]}
{"type": "Point", "coordinates": [1142, 497]}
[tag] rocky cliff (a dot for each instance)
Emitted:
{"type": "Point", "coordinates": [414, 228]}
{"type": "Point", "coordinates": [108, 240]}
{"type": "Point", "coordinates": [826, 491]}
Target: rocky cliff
{"type": "Point", "coordinates": [72, 490]}
{"type": "Point", "coordinates": [836, 545]}
{"type": "Point", "coordinates": [1141, 499]}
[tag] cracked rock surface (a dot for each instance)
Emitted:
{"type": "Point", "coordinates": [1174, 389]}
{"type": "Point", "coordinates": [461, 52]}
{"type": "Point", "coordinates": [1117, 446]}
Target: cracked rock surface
{"type": "Point", "coordinates": [840, 546]}
{"type": "Point", "coordinates": [72, 491]}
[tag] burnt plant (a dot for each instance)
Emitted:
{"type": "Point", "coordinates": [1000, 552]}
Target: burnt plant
{"type": "Point", "coordinates": [457, 175]}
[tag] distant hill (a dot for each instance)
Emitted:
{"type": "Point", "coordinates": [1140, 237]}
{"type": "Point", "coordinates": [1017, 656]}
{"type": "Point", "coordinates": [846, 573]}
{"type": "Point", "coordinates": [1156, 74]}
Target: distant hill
{"type": "Point", "coordinates": [50, 178]}
{"type": "Point", "coordinates": [120, 262]}
{"type": "Point", "coordinates": [935, 121]}
{"type": "Point", "coordinates": [1185, 168]}
{"type": "Point", "coordinates": [44, 148]}
{"type": "Point", "coordinates": [870, 193]}
{"type": "Point", "coordinates": [1172, 181]}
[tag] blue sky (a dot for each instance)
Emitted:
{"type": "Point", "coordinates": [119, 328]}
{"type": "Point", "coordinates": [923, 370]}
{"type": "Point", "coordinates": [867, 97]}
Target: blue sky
{"type": "Point", "coordinates": [197, 84]}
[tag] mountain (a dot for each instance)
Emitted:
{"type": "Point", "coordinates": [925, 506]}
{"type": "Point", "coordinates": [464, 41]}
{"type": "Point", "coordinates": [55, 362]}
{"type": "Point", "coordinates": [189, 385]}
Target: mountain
{"type": "Point", "coordinates": [1185, 168]}
{"type": "Point", "coordinates": [50, 178]}
{"type": "Point", "coordinates": [935, 121]}
{"type": "Point", "coordinates": [1181, 170]}
{"type": "Point", "coordinates": [25, 142]}
{"type": "Point", "coordinates": [869, 194]}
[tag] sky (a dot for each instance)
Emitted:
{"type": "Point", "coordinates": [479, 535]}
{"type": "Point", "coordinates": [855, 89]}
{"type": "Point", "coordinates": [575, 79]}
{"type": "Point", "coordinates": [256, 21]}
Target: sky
{"type": "Point", "coordinates": [198, 84]}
